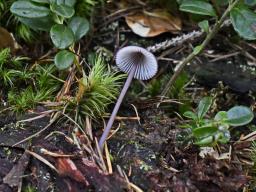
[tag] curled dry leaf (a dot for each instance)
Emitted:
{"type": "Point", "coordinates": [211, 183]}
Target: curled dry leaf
{"type": "Point", "coordinates": [7, 40]}
{"type": "Point", "coordinates": [150, 24]}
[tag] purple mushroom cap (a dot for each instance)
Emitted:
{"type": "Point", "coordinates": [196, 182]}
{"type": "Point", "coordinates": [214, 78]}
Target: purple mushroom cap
{"type": "Point", "coordinates": [145, 62]}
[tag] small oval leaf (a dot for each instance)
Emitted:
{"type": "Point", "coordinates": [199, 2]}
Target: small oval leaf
{"type": "Point", "coordinates": [41, 1]}
{"type": "Point", "coordinates": [64, 59]}
{"type": "Point", "coordinates": [70, 3]}
{"type": "Point", "coordinates": [63, 10]}
{"type": "Point", "coordinates": [208, 141]}
{"type": "Point", "coordinates": [190, 115]}
{"type": "Point", "coordinates": [61, 36]}
{"type": "Point", "coordinates": [29, 10]}
{"type": "Point", "coordinates": [204, 131]}
{"type": "Point", "coordinates": [221, 116]}
{"type": "Point", "coordinates": [197, 7]}
{"type": "Point", "coordinates": [204, 25]}
{"type": "Point", "coordinates": [79, 26]}
{"type": "Point", "coordinates": [239, 115]}
{"type": "Point", "coordinates": [244, 21]}
{"type": "Point", "coordinates": [204, 106]}
{"type": "Point", "coordinates": [42, 23]}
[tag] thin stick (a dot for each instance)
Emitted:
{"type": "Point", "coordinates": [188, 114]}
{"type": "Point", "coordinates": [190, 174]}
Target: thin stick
{"type": "Point", "coordinates": [192, 55]}
{"type": "Point", "coordinates": [39, 132]}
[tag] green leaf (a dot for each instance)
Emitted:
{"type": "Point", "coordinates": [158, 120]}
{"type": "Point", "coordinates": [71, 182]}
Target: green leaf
{"type": "Point", "coordinates": [29, 10]}
{"type": "Point", "coordinates": [61, 36]}
{"type": "Point", "coordinates": [79, 26]}
{"type": "Point", "coordinates": [204, 131]}
{"type": "Point", "coordinates": [250, 2]}
{"type": "Point", "coordinates": [41, 1]}
{"type": "Point", "coordinates": [244, 22]}
{"type": "Point", "coordinates": [204, 25]}
{"type": "Point", "coordinates": [223, 137]}
{"type": "Point", "coordinates": [64, 59]}
{"type": "Point", "coordinates": [204, 106]}
{"type": "Point", "coordinates": [197, 7]}
{"type": "Point", "coordinates": [42, 23]}
{"type": "Point", "coordinates": [63, 10]}
{"type": "Point", "coordinates": [70, 3]}
{"type": "Point", "coordinates": [239, 115]}
{"type": "Point", "coordinates": [221, 116]}
{"type": "Point", "coordinates": [208, 141]}
{"type": "Point", "coordinates": [190, 115]}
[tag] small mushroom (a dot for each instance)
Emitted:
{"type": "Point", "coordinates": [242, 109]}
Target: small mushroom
{"type": "Point", "coordinates": [139, 64]}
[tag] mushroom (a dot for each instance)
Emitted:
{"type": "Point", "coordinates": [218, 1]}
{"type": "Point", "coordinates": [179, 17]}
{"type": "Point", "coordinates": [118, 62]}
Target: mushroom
{"type": "Point", "coordinates": [139, 64]}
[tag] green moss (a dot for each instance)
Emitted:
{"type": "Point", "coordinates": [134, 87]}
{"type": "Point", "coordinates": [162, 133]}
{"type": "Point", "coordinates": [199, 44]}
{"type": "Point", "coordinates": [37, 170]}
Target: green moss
{"type": "Point", "coordinates": [97, 89]}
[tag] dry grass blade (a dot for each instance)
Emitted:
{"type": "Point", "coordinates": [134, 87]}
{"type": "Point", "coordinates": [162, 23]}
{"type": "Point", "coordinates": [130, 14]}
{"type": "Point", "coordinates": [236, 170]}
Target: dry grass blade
{"type": "Point", "coordinates": [40, 158]}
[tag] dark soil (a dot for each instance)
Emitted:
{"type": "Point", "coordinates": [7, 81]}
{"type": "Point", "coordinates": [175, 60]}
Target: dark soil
{"type": "Point", "coordinates": [154, 152]}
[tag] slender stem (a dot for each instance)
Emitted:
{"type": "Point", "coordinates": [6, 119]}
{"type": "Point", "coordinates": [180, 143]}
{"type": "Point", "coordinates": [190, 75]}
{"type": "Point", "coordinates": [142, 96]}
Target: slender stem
{"type": "Point", "coordinates": [115, 110]}
{"type": "Point", "coordinates": [192, 55]}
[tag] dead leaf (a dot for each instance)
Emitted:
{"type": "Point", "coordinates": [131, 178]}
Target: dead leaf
{"type": "Point", "coordinates": [66, 167]}
{"type": "Point", "coordinates": [14, 177]}
{"type": "Point", "coordinates": [150, 24]}
{"type": "Point", "coordinates": [6, 39]}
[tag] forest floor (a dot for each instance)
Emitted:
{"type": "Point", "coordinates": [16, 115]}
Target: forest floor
{"type": "Point", "coordinates": [149, 150]}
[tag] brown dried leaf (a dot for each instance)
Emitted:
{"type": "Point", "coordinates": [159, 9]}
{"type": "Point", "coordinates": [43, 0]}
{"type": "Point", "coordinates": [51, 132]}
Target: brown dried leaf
{"type": "Point", "coordinates": [150, 24]}
{"type": "Point", "coordinates": [14, 177]}
{"type": "Point", "coordinates": [6, 39]}
{"type": "Point", "coordinates": [66, 167]}
{"type": "Point", "coordinates": [99, 180]}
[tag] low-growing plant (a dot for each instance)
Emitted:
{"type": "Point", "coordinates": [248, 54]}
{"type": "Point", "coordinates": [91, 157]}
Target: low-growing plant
{"type": "Point", "coordinates": [28, 98]}
{"type": "Point", "coordinates": [96, 90]}
{"type": "Point", "coordinates": [58, 18]}
{"type": "Point", "coordinates": [26, 86]}
{"type": "Point", "coordinates": [11, 69]}
{"type": "Point", "coordinates": [210, 131]}
{"type": "Point", "coordinates": [240, 12]}
{"type": "Point", "coordinates": [243, 9]}
{"type": "Point", "coordinates": [41, 86]}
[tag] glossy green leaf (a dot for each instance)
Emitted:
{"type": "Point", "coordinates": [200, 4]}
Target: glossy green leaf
{"type": "Point", "coordinates": [221, 116]}
{"type": "Point", "coordinates": [223, 137]}
{"type": "Point", "coordinates": [204, 25]}
{"type": "Point", "coordinates": [250, 2]}
{"type": "Point", "coordinates": [204, 106]}
{"type": "Point", "coordinates": [63, 10]}
{"type": "Point", "coordinates": [28, 9]}
{"type": "Point", "coordinates": [70, 3]}
{"type": "Point", "coordinates": [204, 131]}
{"type": "Point", "coordinates": [41, 1]}
{"type": "Point", "coordinates": [239, 115]}
{"type": "Point", "coordinates": [205, 141]}
{"type": "Point", "coordinates": [244, 22]}
{"type": "Point", "coordinates": [79, 26]}
{"type": "Point", "coordinates": [197, 7]}
{"type": "Point", "coordinates": [42, 23]}
{"type": "Point", "coordinates": [190, 115]}
{"type": "Point", "coordinates": [62, 36]}
{"type": "Point", "coordinates": [64, 59]}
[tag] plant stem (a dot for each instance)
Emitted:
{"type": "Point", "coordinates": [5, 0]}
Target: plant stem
{"type": "Point", "coordinates": [116, 108]}
{"type": "Point", "coordinates": [192, 55]}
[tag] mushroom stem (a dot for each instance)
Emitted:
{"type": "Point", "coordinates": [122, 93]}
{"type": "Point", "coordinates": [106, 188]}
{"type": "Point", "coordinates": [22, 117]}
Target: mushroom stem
{"type": "Point", "coordinates": [117, 106]}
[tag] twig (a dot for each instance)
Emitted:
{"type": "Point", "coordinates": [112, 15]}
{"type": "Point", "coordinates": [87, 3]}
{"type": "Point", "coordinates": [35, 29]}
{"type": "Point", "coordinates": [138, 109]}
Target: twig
{"type": "Point", "coordinates": [201, 47]}
{"type": "Point", "coordinates": [56, 115]}
{"type": "Point", "coordinates": [40, 158]}
{"type": "Point", "coordinates": [175, 41]}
